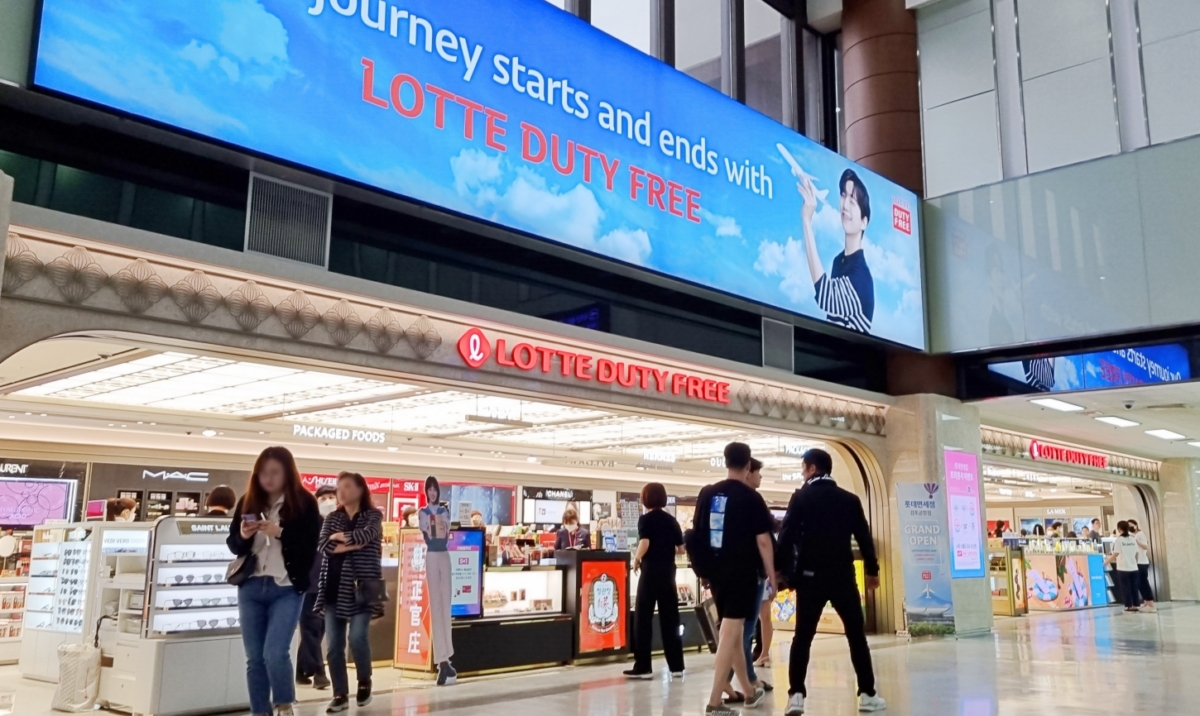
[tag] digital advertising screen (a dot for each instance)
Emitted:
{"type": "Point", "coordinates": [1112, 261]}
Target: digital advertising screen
{"type": "Point", "coordinates": [518, 114]}
{"type": "Point", "coordinates": [1145, 365]}
{"type": "Point", "coordinates": [466, 572]}
{"type": "Point", "coordinates": [28, 502]}
{"type": "Point", "coordinates": [966, 515]}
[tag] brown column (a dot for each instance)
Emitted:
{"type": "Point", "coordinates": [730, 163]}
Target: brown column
{"type": "Point", "coordinates": [882, 105]}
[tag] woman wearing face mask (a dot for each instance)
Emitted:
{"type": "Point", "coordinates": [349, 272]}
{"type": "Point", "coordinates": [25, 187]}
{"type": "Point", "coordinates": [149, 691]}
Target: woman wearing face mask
{"type": "Point", "coordinates": [435, 526]}
{"type": "Point", "coordinates": [274, 535]}
{"type": "Point", "coordinates": [310, 662]}
{"type": "Point", "coordinates": [120, 509]}
{"type": "Point", "coordinates": [352, 542]}
{"type": "Point", "coordinates": [572, 535]}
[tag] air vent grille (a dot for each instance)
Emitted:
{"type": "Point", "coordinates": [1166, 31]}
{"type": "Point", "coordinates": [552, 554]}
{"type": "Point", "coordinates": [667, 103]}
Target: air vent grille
{"type": "Point", "coordinates": [779, 345]}
{"type": "Point", "coordinates": [288, 221]}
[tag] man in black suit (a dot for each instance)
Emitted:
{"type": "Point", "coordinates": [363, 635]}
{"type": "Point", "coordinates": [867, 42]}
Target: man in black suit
{"type": "Point", "coordinates": [816, 559]}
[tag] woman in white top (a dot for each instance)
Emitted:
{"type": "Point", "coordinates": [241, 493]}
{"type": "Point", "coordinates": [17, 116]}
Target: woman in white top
{"type": "Point", "coordinates": [1143, 564]}
{"type": "Point", "coordinates": [1125, 552]}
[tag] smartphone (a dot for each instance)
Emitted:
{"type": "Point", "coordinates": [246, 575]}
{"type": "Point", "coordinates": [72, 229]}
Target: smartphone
{"type": "Point", "coordinates": [249, 519]}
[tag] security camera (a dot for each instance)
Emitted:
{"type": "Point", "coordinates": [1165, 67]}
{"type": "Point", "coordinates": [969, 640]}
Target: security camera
{"type": "Point", "coordinates": [1129, 405]}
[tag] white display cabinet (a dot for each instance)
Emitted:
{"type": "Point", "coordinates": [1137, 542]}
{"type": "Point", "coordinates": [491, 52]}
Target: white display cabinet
{"type": "Point", "coordinates": [183, 654]}
{"type": "Point", "coordinates": [80, 574]}
{"type": "Point", "coordinates": [13, 596]}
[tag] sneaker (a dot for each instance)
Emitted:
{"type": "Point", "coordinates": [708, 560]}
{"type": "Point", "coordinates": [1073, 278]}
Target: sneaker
{"type": "Point", "coordinates": [338, 705]}
{"type": "Point", "coordinates": [320, 682]}
{"type": "Point", "coordinates": [303, 680]}
{"type": "Point", "coordinates": [871, 703]}
{"type": "Point", "coordinates": [363, 697]}
{"type": "Point", "coordinates": [635, 674]}
{"type": "Point", "coordinates": [285, 710]}
{"type": "Point", "coordinates": [447, 676]}
{"type": "Point", "coordinates": [678, 674]}
{"type": "Point", "coordinates": [721, 710]}
{"type": "Point", "coordinates": [795, 705]}
{"type": "Point", "coordinates": [755, 699]}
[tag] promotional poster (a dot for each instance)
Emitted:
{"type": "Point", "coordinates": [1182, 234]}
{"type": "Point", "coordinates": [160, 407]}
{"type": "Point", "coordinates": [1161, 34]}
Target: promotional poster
{"type": "Point", "coordinates": [518, 114]}
{"type": "Point", "coordinates": [966, 515]}
{"type": "Point", "coordinates": [925, 558]}
{"type": "Point", "coordinates": [414, 641]}
{"type": "Point", "coordinates": [603, 604]}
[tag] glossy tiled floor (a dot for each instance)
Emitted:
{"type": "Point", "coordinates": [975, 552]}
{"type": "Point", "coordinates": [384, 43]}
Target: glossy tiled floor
{"type": "Point", "coordinates": [1080, 663]}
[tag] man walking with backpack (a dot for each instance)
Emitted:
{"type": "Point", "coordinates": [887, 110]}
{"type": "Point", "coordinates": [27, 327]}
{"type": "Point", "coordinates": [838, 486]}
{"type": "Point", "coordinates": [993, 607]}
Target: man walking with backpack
{"type": "Point", "coordinates": [731, 548]}
{"type": "Point", "coordinates": [816, 560]}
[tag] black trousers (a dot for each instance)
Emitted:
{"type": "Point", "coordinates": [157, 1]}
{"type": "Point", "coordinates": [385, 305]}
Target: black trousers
{"type": "Point", "coordinates": [1144, 583]}
{"type": "Point", "coordinates": [309, 660]}
{"type": "Point", "coordinates": [811, 597]}
{"type": "Point", "coordinates": [656, 585]}
{"type": "Point", "coordinates": [1128, 581]}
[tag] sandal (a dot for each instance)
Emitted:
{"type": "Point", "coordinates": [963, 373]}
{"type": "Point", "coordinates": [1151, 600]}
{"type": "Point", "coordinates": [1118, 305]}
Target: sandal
{"type": "Point", "coordinates": [737, 698]}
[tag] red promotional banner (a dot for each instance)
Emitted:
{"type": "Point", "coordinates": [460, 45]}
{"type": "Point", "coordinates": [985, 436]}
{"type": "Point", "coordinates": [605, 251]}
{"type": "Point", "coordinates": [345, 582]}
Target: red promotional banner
{"type": "Point", "coordinates": [414, 643]}
{"type": "Point", "coordinates": [602, 606]}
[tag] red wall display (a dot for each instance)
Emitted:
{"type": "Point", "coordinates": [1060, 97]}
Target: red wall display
{"type": "Point", "coordinates": [602, 606]}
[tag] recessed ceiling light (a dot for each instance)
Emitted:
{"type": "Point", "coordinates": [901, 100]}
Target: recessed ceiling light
{"type": "Point", "coordinates": [1195, 444]}
{"type": "Point", "coordinates": [209, 432]}
{"type": "Point", "coordinates": [1060, 405]}
{"type": "Point", "coordinates": [392, 448]}
{"type": "Point", "coordinates": [1119, 422]}
{"type": "Point", "coordinates": [531, 458]}
{"type": "Point", "coordinates": [1165, 434]}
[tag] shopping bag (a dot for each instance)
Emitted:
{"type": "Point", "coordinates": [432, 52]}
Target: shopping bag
{"type": "Point", "coordinates": [78, 678]}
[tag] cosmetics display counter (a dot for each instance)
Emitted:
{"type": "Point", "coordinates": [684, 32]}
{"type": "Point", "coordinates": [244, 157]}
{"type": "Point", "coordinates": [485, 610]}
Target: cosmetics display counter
{"type": "Point", "coordinates": [1064, 574]}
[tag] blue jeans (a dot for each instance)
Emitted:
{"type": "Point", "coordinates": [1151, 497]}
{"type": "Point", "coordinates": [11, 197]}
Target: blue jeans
{"type": "Point", "coordinates": [269, 615]}
{"type": "Point", "coordinates": [748, 634]}
{"type": "Point", "coordinates": [360, 646]}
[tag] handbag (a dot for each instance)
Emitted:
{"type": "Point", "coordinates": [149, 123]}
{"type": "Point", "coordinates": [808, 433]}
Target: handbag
{"type": "Point", "coordinates": [370, 592]}
{"type": "Point", "coordinates": [241, 569]}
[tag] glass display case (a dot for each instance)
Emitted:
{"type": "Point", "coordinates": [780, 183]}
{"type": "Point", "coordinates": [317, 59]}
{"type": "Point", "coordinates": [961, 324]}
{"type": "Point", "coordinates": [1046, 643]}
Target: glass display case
{"type": "Point", "coordinates": [1006, 579]}
{"type": "Point", "coordinates": [509, 591]}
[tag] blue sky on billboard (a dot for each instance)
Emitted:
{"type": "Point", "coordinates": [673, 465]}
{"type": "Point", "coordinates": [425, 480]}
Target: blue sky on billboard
{"type": "Point", "coordinates": [514, 113]}
{"type": "Point", "coordinates": [1144, 365]}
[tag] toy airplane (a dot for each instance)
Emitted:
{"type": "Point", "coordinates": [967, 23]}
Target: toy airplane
{"type": "Point", "coordinates": [800, 173]}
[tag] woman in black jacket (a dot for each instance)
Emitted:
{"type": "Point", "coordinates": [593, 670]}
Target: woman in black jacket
{"type": "Point", "coordinates": [352, 542]}
{"type": "Point", "coordinates": [274, 535]}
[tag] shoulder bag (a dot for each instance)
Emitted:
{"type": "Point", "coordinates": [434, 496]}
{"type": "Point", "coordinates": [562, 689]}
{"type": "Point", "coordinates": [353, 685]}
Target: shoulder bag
{"type": "Point", "coordinates": [241, 569]}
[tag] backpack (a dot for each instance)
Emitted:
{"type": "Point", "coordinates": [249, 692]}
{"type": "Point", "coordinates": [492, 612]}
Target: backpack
{"type": "Point", "coordinates": [698, 540]}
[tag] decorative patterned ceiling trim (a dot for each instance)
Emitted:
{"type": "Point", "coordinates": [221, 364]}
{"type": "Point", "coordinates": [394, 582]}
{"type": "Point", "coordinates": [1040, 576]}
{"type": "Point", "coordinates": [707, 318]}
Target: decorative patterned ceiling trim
{"type": "Point", "coordinates": [50, 268]}
{"type": "Point", "coordinates": [1005, 443]}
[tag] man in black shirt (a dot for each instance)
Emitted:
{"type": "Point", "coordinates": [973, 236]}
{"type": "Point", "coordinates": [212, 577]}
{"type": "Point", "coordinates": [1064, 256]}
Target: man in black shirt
{"type": "Point", "coordinates": [847, 294]}
{"type": "Point", "coordinates": [816, 559]}
{"type": "Point", "coordinates": [731, 549]}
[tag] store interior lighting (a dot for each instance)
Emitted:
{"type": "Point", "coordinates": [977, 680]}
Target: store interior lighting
{"type": "Point", "coordinates": [1162, 434]}
{"type": "Point", "coordinates": [1059, 405]}
{"type": "Point", "coordinates": [1117, 421]}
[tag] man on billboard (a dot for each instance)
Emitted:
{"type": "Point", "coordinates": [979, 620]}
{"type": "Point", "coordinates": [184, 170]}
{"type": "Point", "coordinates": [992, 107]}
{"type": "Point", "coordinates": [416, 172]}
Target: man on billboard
{"type": "Point", "coordinates": [847, 292]}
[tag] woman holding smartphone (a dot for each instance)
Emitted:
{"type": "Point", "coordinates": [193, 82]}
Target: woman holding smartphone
{"type": "Point", "coordinates": [274, 535]}
{"type": "Point", "coordinates": [435, 526]}
{"type": "Point", "coordinates": [352, 542]}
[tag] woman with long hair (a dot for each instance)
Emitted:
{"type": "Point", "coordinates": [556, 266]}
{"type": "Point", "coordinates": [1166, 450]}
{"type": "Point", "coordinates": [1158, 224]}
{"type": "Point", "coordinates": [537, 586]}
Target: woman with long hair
{"type": "Point", "coordinates": [274, 535]}
{"type": "Point", "coordinates": [352, 542]}
{"type": "Point", "coordinates": [435, 526]}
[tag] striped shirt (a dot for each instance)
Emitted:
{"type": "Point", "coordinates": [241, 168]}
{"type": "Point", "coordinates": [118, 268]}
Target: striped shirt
{"type": "Point", "coordinates": [1039, 373]}
{"type": "Point", "coordinates": [363, 563]}
{"type": "Point", "coordinates": [847, 293]}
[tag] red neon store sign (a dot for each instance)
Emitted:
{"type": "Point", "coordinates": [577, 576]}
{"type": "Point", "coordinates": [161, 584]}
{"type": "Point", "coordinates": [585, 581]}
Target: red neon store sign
{"type": "Point", "coordinates": [1042, 451]}
{"type": "Point", "coordinates": [476, 350]}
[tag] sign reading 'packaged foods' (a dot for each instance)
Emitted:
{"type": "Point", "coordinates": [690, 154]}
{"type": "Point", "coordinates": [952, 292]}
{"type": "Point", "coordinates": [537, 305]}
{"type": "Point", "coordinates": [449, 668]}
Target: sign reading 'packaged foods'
{"type": "Point", "coordinates": [516, 113]}
{"type": "Point", "coordinates": [477, 350]}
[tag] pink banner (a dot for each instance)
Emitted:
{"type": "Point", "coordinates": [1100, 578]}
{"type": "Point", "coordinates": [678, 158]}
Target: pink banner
{"type": "Point", "coordinates": [966, 515]}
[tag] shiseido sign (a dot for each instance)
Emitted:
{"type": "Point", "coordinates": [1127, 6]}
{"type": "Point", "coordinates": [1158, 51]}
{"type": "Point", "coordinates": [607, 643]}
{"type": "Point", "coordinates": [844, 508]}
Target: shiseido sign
{"type": "Point", "coordinates": [477, 350]}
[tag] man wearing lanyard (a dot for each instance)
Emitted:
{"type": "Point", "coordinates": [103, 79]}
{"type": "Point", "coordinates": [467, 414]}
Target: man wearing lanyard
{"type": "Point", "coordinates": [815, 558]}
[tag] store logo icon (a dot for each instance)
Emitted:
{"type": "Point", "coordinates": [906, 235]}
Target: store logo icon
{"type": "Point", "coordinates": [474, 348]}
{"type": "Point", "coordinates": [931, 488]}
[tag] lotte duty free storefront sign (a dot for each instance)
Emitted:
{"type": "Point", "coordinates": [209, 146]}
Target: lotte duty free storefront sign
{"type": "Point", "coordinates": [518, 114]}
